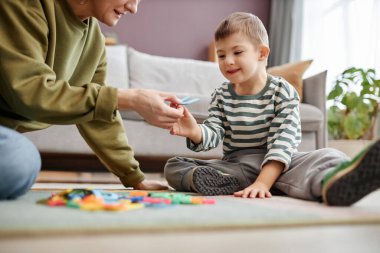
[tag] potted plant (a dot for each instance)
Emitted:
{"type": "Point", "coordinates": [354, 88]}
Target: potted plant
{"type": "Point", "coordinates": [354, 98]}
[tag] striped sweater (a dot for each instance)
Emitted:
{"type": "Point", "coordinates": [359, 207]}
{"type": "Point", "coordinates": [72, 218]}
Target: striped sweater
{"type": "Point", "coordinates": [268, 120]}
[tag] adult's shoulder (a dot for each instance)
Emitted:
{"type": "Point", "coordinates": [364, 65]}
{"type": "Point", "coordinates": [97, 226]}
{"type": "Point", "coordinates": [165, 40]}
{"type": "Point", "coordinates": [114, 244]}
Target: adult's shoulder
{"type": "Point", "coordinates": [24, 9]}
{"type": "Point", "coordinates": [25, 5]}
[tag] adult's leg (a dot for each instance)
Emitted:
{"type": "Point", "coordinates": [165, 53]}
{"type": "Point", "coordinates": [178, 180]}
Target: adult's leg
{"type": "Point", "coordinates": [20, 164]}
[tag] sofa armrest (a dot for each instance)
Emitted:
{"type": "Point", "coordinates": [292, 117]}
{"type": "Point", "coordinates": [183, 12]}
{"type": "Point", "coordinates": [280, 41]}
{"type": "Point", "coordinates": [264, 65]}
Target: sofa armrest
{"type": "Point", "coordinates": [314, 90]}
{"type": "Point", "coordinates": [314, 93]}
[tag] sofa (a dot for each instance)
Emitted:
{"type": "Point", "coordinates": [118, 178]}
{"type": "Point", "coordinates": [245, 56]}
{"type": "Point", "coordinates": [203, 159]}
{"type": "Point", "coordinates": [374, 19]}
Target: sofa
{"type": "Point", "coordinates": [62, 147]}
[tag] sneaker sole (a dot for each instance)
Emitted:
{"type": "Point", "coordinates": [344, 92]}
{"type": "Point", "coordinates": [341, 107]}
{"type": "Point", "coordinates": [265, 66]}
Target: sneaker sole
{"type": "Point", "coordinates": [209, 181]}
{"type": "Point", "coordinates": [356, 181]}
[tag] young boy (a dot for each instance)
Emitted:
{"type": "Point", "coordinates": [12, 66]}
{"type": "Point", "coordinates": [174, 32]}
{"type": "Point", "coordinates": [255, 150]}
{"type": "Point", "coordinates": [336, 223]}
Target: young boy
{"type": "Point", "coordinates": [257, 117]}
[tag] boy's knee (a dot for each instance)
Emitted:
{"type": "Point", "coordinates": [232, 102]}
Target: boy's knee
{"type": "Point", "coordinates": [333, 154]}
{"type": "Point", "coordinates": [173, 172]}
{"type": "Point", "coordinates": [172, 160]}
{"type": "Point", "coordinates": [167, 168]}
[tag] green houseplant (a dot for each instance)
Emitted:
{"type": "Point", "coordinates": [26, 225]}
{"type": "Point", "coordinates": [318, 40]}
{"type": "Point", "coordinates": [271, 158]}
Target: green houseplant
{"type": "Point", "coordinates": [355, 100]}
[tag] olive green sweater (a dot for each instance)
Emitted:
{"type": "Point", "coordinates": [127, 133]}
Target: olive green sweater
{"type": "Point", "coordinates": [53, 71]}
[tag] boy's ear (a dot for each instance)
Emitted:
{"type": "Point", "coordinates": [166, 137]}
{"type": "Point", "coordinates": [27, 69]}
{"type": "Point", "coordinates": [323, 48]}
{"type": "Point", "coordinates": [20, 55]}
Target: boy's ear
{"type": "Point", "coordinates": [264, 52]}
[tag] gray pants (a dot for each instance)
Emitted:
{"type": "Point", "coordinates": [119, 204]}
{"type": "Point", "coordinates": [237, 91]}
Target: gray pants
{"type": "Point", "coordinates": [302, 180]}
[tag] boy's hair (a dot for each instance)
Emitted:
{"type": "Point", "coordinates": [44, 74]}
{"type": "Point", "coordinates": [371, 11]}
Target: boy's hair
{"type": "Point", "coordinates": [246, 23]}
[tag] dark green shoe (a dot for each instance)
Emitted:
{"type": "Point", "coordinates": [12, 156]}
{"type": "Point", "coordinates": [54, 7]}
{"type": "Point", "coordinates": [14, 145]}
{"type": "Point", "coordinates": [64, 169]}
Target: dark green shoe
{"type": "Point", "coordinates": [352, 180]}
{"type": "Point", "coordinates": [209, 181]}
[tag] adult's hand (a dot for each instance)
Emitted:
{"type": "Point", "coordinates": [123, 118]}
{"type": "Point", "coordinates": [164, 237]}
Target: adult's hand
{"type": "Point", "coordinates": [151, 185]}
{"type": "Point", "coordinates": [154, 106]}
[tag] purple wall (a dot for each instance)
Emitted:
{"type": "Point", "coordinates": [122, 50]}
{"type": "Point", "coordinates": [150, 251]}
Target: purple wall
{"type": "Point", "coordinates": [180, 28]}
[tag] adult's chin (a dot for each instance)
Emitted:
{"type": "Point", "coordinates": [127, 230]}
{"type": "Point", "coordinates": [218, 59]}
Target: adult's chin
{"type": "Point", "coordinates": [110, 22]}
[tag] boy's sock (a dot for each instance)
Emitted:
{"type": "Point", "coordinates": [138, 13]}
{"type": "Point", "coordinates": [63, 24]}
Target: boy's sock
{"type": "Point", "coordinates": [352, 180]}
{"type": "Point", "coordinates": [209, 181]}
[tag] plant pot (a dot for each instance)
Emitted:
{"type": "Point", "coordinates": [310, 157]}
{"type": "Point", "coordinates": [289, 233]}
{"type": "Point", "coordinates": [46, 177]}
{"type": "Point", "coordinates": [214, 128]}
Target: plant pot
{"type": "Point", "coordinates": [349, 147]}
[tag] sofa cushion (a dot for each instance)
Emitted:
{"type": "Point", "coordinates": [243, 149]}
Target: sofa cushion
{"type": "Point", "coordinates": [292, 72]}
{"type": "Point", "coordinates": [172, 74]}
{"type": "Point", "coordinates": [117, 66]}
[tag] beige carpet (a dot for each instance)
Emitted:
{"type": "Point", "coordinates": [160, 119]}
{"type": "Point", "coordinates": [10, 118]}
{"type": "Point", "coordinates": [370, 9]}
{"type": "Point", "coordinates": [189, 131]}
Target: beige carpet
{"type": "Point", "coordinates": [25, 217]}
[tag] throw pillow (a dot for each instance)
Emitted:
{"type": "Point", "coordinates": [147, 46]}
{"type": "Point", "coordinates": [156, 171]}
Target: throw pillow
{"type": "Point", "coordinates": [292, 72]}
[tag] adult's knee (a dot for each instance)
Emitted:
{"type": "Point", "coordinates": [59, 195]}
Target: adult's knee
{"type": "Point", "coordinates": [19, 165]}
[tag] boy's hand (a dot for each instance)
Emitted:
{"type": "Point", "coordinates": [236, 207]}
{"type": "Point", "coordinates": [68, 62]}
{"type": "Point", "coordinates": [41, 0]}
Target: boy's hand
{"type": "Point", "coordinates": [255, 190]}
{"type": "Point", "coordinates": [186, 126]}
{"type": "Point", "coordinates": [260, 188]}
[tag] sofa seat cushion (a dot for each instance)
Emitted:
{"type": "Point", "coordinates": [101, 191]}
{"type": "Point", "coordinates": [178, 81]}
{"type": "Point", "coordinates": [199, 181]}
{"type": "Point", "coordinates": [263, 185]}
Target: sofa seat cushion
{"type": "Point", "coordinates": [147, 140]}
{"type": "Point", "coordinates": [311, 117]}
{"type": "Point", "coordinates": [199, 109]}
{"type": "Point", "coordinates": [59, 139]}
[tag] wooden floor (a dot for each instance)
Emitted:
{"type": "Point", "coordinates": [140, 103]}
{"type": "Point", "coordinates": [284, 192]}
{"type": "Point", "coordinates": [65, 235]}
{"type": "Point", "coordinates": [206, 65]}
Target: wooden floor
{"type": "Point", "coordinates": [343, 238]}
{"type": "Point", "coordinates": [335, 239]}
{"type": "Point", "coordinates": [86, 177]}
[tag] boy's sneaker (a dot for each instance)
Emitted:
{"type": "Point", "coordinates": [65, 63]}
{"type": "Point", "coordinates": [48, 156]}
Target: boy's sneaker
{"type": "Point", "coordinates": [209, 181]}
{"type": "Point", "coordinates": [352, 180]}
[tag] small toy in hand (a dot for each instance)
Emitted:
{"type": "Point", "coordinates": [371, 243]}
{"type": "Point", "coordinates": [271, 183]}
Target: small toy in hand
{"type": "Point", "coordinates": [188, 100]}
{"type": "Point", "coordinates": [94, 200]}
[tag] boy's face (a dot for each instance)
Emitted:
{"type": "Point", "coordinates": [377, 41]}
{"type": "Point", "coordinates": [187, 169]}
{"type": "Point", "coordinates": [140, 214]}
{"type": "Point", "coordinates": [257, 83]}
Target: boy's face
{"type": "Point", "coordinates": [238, 58]}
